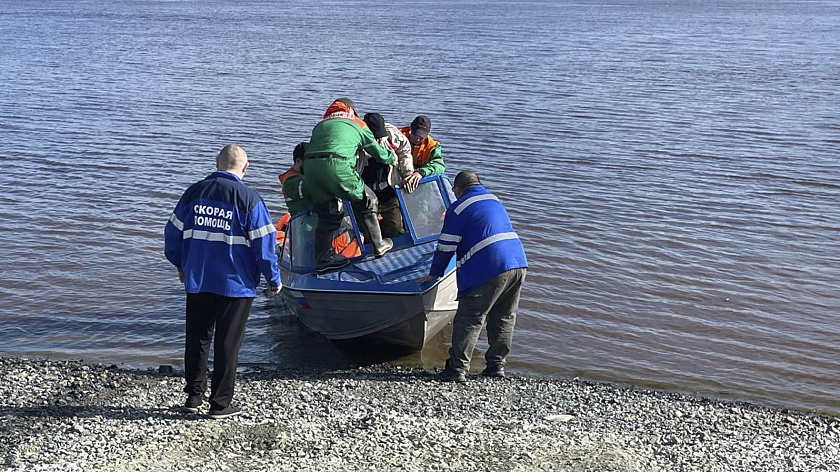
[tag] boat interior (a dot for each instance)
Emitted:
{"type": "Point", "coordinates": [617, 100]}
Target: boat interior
{"type": "Point", "coordinates": [423, 211]}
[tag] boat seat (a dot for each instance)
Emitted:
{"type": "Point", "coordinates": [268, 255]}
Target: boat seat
{"type": "Point", "coordinates": [401, 265]}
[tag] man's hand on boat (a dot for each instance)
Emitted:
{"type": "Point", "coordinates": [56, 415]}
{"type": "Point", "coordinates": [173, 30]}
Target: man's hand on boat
{"type": "Point", "coordinates": [425, 279]}
{"type": "Point", "coordinates": [271, 291]}
{"type": "Point", "coordinates": [410, 182]}
{"type": "Point", "coordinates": [181, 276]}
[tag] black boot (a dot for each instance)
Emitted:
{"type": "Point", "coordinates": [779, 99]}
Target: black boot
{"type": "Point", "coordinates": [380, 245]}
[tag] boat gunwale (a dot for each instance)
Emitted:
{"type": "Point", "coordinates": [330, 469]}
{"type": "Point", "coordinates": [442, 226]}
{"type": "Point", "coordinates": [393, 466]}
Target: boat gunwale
{"type": "Point", "coordinates": [419, 292]}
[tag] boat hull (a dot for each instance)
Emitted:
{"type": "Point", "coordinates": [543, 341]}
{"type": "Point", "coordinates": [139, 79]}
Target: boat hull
{"type": "Point", "coordinates": [403, 319]}
{"type": "Point", "coordinates": [373, 297]}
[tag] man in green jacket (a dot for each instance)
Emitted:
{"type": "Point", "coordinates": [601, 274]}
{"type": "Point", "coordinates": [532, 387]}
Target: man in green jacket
{"type": "Point", "coordinates": [330, 168]}
{"type": "Point", "coordinates": [291, 182]}
{"type": "Point", "coordinates": [425, 151]}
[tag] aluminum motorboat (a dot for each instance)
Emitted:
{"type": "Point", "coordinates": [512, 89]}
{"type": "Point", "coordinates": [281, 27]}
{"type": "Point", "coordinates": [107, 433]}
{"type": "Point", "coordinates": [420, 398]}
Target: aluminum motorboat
{"type": "Point", "coordinates": [372, 298]}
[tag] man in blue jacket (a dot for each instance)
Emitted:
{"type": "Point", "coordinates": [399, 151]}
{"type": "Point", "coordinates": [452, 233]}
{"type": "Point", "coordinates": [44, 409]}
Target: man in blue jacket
{"type": "Point", "coordinates": [491, 267]}
{"type": "Point", "coordinates": [221, 238]}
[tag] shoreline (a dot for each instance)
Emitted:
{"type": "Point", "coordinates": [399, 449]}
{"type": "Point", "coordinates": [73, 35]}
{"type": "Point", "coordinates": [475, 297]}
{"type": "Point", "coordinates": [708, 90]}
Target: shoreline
{"type": "Point", "coordinates": [72, 415]}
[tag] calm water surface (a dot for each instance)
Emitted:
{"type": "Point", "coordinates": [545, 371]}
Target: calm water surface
{"type": "Point", "coordinates": [672, 168]}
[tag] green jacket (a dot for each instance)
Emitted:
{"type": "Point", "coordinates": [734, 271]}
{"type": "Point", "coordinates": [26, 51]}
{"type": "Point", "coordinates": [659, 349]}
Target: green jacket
{"type": "Point", "coordinates": [330, 160]}
{"type": "Point", "coordinates": [291, 183]}
{"type": "Point", "coordinates": [434, 165]}
{"type": "Point", "coordinates": [427, 156]}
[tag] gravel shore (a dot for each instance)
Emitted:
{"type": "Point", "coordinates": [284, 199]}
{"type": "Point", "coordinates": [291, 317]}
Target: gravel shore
{"type": "Point", "coordinates": [73, 416]}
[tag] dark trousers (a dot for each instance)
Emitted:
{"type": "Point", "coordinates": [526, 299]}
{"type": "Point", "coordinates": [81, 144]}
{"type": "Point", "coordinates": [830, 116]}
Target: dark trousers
{"type": "Point", "coordinates": [365, 208]}
{"type": "Point", "coordinates": [495, 301]}
{"type": "Point", "coordinates": [329, 220]}
{"type": "Point", "coordinates": [389, 208]}
{"type": "Point", "coordinates": [207, 312]}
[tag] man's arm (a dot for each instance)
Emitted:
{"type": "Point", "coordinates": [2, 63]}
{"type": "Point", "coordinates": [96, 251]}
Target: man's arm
{"type": "Point", "coordinates": [261, 233]}
{"type": "Point", "coordinates": [435, 165]}
{"type": "Point", "coordinates": [374, 149]}
{"type": "Point", "coordinates": [405, 161]}
{"type": "Point", "coordinates": [448, 243]}
{"type": "Point", "coordinates": [443, 254]}
{"type": "Point", "coordinates": [292, 188]}
{"type": "Point", "coordinates": [173, 241]}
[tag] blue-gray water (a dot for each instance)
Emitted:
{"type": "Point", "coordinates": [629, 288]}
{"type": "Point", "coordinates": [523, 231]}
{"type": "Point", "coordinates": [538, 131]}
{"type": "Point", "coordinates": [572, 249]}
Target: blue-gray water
{"type": "Point", "coordinates": [672, 168]}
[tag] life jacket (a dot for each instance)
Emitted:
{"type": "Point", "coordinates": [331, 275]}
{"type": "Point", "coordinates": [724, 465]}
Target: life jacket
{"type": "Point", "coordinates": [422, 153]}
{"type": "Point", "coordinates": [281, 225]}
{"type": "Point", "coordinates": [341, 110]}
{"type": "Point", "coordinates": [342, 244]}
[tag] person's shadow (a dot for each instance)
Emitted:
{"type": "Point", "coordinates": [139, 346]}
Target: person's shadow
{"type": "Point", "coordinates": [127, 413]}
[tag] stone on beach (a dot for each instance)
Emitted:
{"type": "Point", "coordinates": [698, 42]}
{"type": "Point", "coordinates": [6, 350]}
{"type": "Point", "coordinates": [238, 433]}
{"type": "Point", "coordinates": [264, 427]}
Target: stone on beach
{"type": "Point", "coordinates": [560, 418]}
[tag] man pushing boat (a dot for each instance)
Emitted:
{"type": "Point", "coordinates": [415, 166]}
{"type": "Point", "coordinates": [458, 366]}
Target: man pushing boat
{"type": "Point", "coordinates": [491, 269]}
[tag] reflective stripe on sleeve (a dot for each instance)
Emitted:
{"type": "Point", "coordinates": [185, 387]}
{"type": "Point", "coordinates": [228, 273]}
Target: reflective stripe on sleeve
{"type": "Point", "coordinates": [218, 237]}
{"type": "Point", "coordinates": [176, 222]}
{"type": "Point", "coordinates": [484, 243]}
{"type": "Point", "coordinates": [443, 247]}
{"type": "Point", "coordinates": [260, 232]}
{"type": "Point", "coordinates": [450, 238]}
{"type": "Point", "coordinates": [463, 205]}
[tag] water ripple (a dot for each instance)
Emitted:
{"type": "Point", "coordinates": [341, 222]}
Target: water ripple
{"type": "Point", "coordinates": [673, 174]}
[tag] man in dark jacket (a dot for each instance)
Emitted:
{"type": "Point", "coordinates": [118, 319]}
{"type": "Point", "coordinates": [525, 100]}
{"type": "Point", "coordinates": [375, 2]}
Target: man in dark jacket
{"type": "Point", "coordinates": [220, 237]}
{"type": "Point", "coordinates": [491, 269]}
{"type": "Point", "coordinates": [383, 179]}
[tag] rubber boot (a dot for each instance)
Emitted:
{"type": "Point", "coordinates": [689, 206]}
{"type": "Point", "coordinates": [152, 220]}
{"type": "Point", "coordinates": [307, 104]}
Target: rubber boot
{"type": "Point", "coordinates": [380, 245]}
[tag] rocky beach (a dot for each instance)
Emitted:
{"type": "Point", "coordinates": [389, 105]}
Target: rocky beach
{"type": "Point", "coordinates": [74, 416]}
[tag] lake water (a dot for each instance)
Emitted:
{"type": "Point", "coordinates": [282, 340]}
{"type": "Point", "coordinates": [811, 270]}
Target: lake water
{"type": "Point", "coordinates": [673, 169]}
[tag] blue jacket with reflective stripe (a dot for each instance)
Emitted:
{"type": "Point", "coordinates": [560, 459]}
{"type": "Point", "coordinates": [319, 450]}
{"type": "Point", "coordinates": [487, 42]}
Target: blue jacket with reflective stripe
{"type": "Point", "coordinates": [477, 230]}
{"type": "Point", "coordinates": [221, 237]}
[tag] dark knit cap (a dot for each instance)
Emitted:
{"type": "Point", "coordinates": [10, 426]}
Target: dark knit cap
{"type": "Point", "coordinates": [300, 150]}
{"type": "Point", "coordinates": [347, 102]}
{"type": "Point", "coordinates": [421, 126]}
{"type": "Point", "coordinates": [376, 123]}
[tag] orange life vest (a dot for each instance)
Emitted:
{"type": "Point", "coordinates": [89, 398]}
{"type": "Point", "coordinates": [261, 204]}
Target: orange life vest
{"type": "Point", "coordinates": [342, 244]}
{"type": "Point", "coordinates": [422, 153]}
{"type": "Point", "coordinates": [281, 227]}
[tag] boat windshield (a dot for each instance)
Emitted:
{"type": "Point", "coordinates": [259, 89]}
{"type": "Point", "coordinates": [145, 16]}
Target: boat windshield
{"type": "Point", "coordinates": [299, 245]}
{"type": "Point", "coordinates": [426, 207]}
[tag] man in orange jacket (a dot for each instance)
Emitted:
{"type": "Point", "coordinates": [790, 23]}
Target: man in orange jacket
{"type": "Point", "coordinates": [425, 151]}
